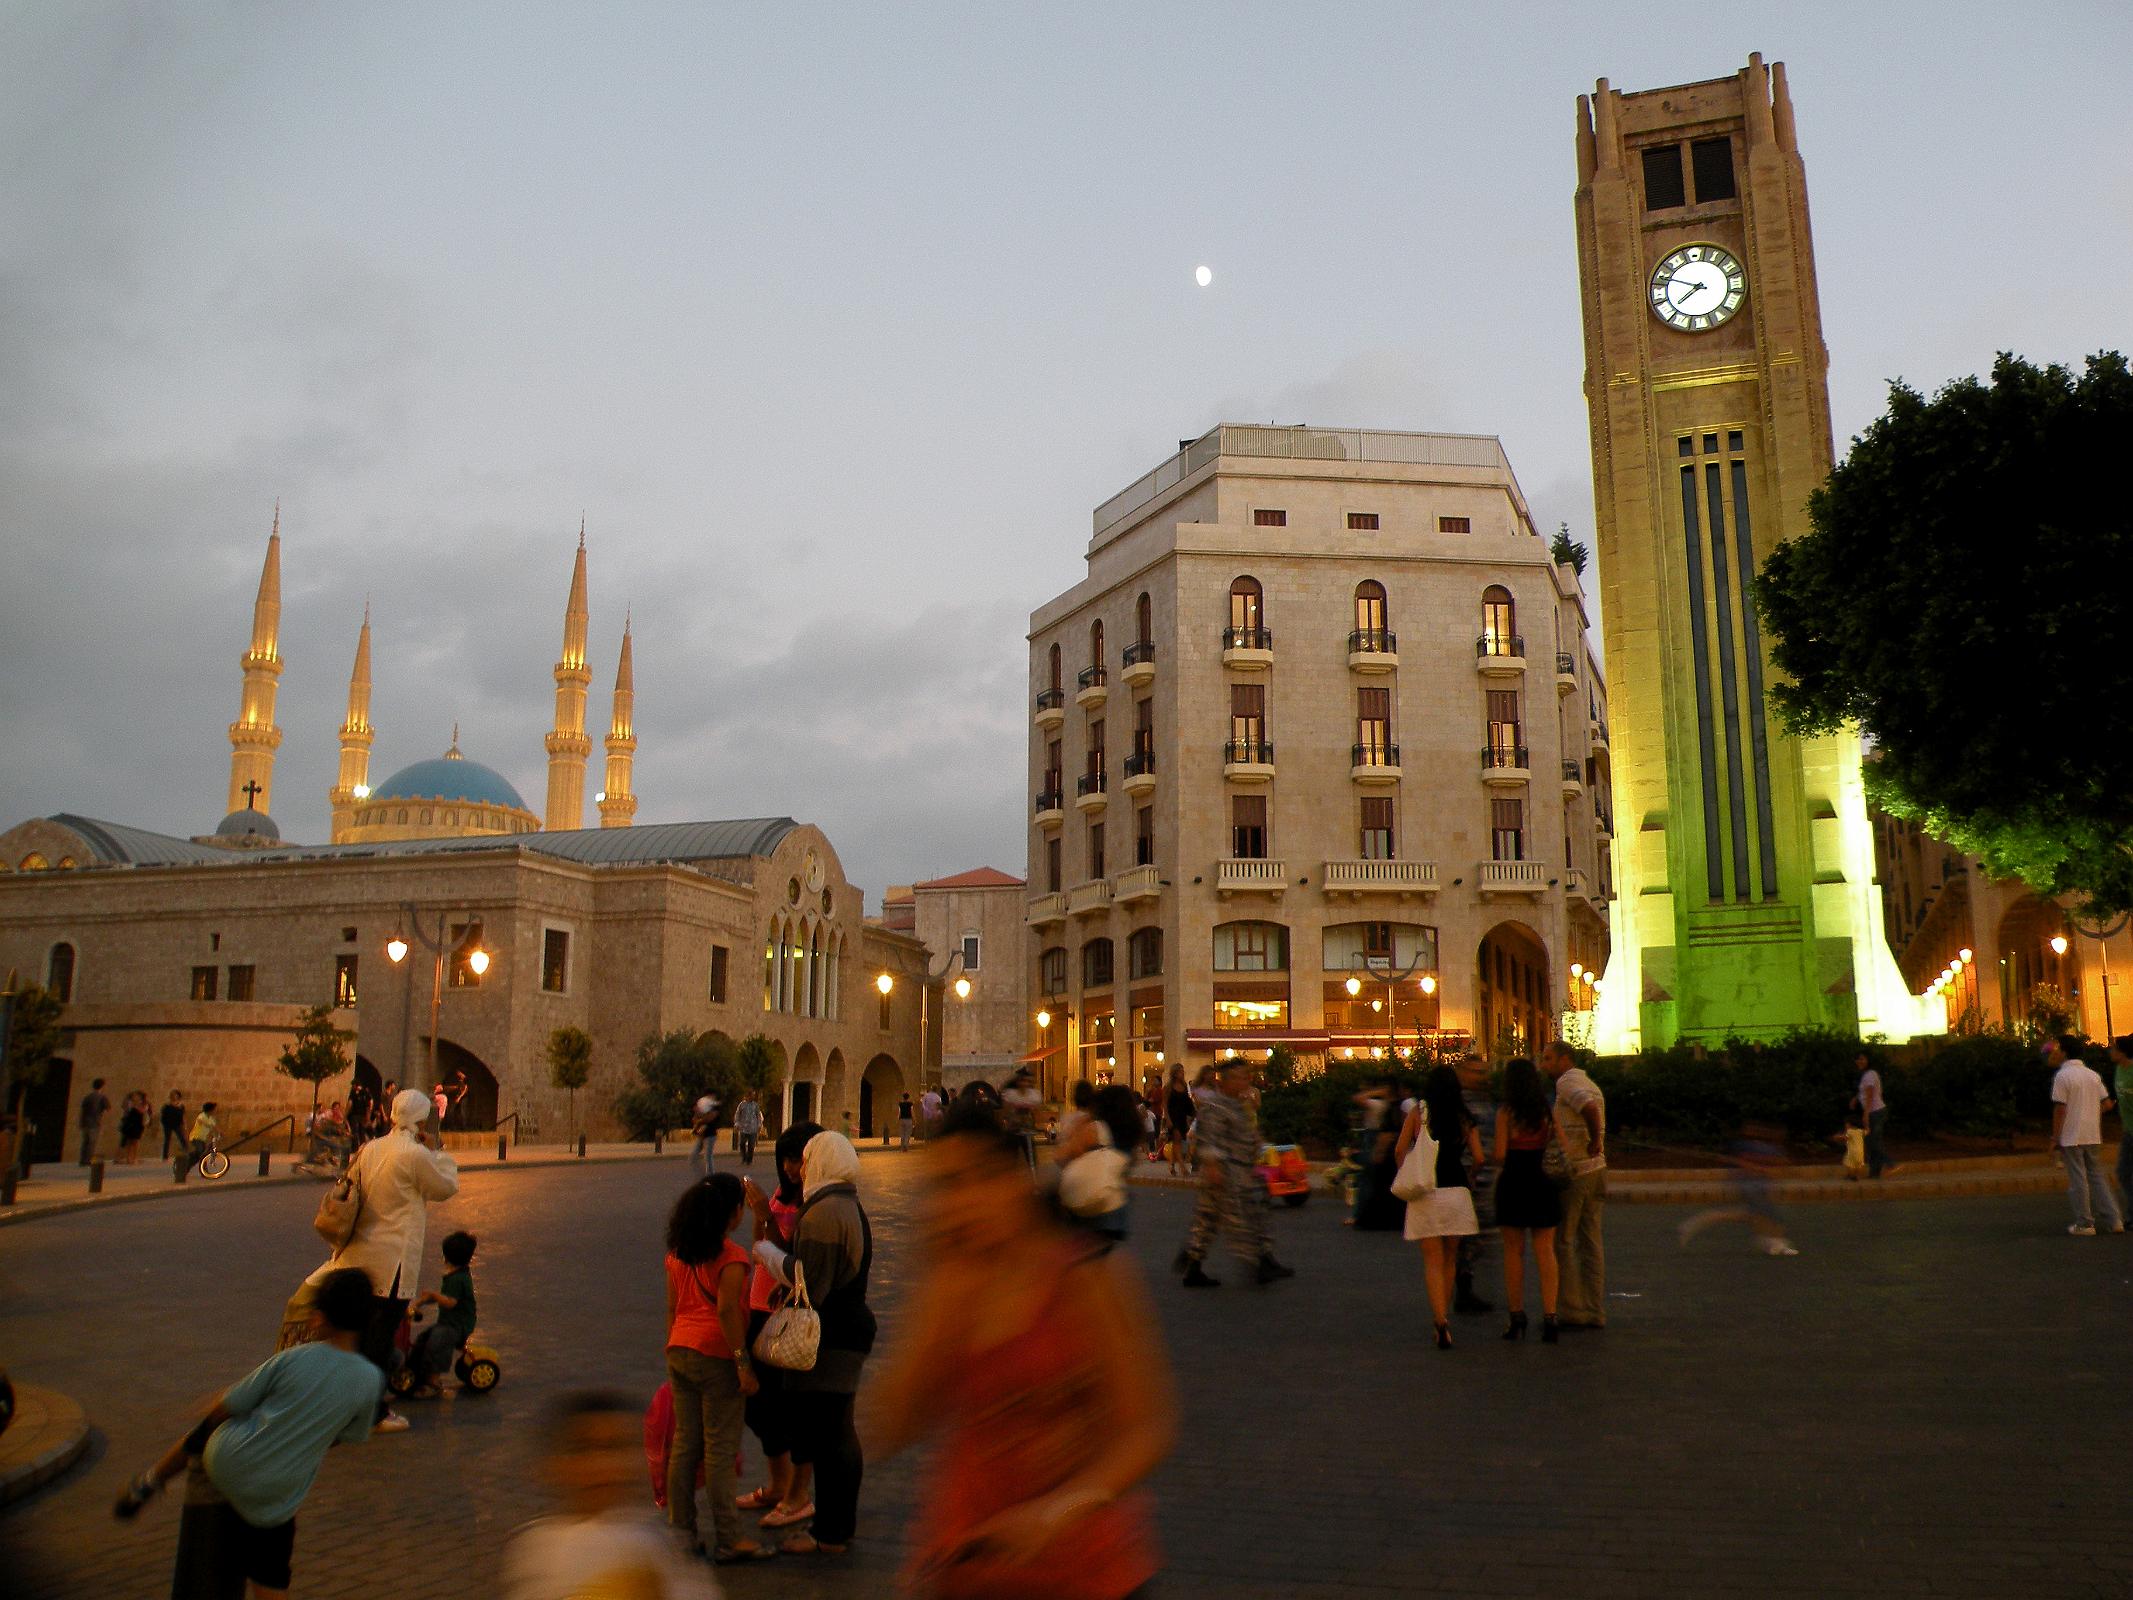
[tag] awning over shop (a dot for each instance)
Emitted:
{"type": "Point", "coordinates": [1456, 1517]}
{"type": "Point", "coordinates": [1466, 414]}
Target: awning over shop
{"type": "Point", "coordinates": [1255, 1038]}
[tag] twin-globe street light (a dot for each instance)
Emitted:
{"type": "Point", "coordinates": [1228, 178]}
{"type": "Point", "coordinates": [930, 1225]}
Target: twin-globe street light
{"type": "Point", "coordinates": [885, 985]}
{"type": "Point", "coordinates": [1427, 983]}
{"type": "Point", "coordinates": [468, 949]}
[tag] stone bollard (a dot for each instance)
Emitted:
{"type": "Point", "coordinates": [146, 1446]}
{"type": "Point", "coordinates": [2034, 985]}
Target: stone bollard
{"type": "Point", "coordinates": [659, 1144]}
{"type": "Point", "coordinates": [581, 1147]}
{"type": "Point", "coordinates": [264, 1158]}
{"type": "Point", "coordinates": [7, 1188]}
{"type": "Point", "coordinates": [96, 1177]}
{"type": "Point", "coordinates": [503, 1147]}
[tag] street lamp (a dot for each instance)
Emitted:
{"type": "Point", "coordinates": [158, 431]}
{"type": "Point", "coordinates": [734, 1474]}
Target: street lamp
{"type": "Point", "coordinates": [1390, 979]}
{"type": "Point", "coordinates": [962, 988]}
{"type": "Point", "coordinates": [885, 983]}
{"type": "Point", "coordinates": [468, 949]}
{"type": "Point", "coordinates": [1044, 1020]}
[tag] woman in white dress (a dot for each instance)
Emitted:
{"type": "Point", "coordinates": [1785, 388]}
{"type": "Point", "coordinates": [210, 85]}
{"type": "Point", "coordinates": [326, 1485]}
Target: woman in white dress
{"type": "Point", "coordinates": [1441, 1218]}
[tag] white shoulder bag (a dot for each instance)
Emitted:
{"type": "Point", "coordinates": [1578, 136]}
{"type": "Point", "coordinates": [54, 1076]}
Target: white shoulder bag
{"type": "Point", "coordinates": [794, 1332]}
{"type": "Point", "coordinates": [1417, 1177]}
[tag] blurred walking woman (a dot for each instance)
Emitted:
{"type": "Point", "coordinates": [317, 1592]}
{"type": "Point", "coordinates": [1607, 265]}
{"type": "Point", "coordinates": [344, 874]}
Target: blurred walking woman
{"type": "Point", "coordinates": [1527, 1201]}
{"type": "Point", "coordinates": [1441, 1218]}
{"type": "Point", "coordinates": [1030, 1349]}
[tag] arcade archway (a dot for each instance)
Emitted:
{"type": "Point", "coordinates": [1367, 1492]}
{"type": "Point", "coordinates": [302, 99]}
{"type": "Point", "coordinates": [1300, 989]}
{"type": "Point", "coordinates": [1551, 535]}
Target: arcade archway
{"type": "Point", "coordinates": [1511, 992]}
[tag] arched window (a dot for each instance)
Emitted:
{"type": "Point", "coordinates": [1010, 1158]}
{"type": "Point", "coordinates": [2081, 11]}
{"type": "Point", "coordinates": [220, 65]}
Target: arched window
{"type": "Point", "coordinates": [59, 973]}
{"type": "Point", "coordinates": [1251, 947]}
{"type": "Point", "coordinates": [770, 969]}
{"type": "Point", "coordinates": [1144, 620]}
{"type": "Point", "coordinates": [1096, 964]}
{"type": "Point", "coordinates": [1052, 971]}
{"type": "Point", "coordinates": [835, 1008]}
{"type": "Point", "coordinates": [1247, 613]}
{"type": "Point", "coordinates": [1144, 953]}
{"type": "Point", "coordinates": [33, 862]}
{"type": "Point", "coordinates": [1499, 622]}
{"type": "Point", "coordinates": [814, 974]}
{"type": "Point", "coordinates": [1053, 682]}
{"type": "Point", "coordinates": [1370, 613]}
{"type": "Point", "coordinates": [1096, 643]}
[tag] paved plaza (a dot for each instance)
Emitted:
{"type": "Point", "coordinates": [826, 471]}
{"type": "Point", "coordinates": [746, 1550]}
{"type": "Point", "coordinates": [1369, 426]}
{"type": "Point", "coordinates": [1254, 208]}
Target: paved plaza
{"type": "Point", "coordinates": [1930, 1400]}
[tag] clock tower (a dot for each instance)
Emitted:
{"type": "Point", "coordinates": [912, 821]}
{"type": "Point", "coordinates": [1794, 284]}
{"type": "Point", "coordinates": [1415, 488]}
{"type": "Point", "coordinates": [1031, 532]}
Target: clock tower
{"type": "Point", "coordinates": [1744, 862]}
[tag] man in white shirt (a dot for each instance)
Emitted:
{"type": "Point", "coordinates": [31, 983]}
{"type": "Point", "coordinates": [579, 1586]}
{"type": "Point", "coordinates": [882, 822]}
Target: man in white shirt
{"type": "Point", "coordinates": [2078, 1105]}
{"type": "Point", "coordinates": [1580, 1249]}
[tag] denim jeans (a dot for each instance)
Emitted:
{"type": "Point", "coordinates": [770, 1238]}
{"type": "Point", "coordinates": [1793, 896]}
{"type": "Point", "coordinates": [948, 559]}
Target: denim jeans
{"type": "Point", "coordinates": [1877, 1153]}
{"type": "Point", "coordinates": [2087, 1187]}
{"type": "Point", "coordinates": [700, 1156]}
{"type": "Point", "coordinates": [435, 1349]}
{"type": "Point", "coordinates": [707, 1430]}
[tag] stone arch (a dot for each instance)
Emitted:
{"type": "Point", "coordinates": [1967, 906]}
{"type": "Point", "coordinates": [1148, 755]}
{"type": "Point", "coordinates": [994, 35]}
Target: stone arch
{"type": "Point", "coordinates": [478, 1111]}
{"type": "Point", "coordinates": [2027, 961]}
{"type": "Point", "coordinates": [367, 1077]}
{"type": "Point", "coordinates": [838, 1101]}
{"type": "Point", "coordinates": [1512, 993]}
{"type": "Point", "coordinates": [804, 1086]}
{"type": "Point", "coordinates": [879, 1086]}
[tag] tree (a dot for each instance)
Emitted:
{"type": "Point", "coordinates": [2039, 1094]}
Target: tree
{"type": "Point", "coordinates": [33, 1036]}
{"type": "Point", "coordinates": [316, 1053]}
{"type": "Point", "coordinates": [674, 1071]}
{"type": "Point", "coordinates": [1960, 599]}
{"type": "Point", "coordinates": [1567, 551]}
{"type": "Point", "coordinates": [570, 1063]}
{"type": "Point", "coordinates": [756, 1062]}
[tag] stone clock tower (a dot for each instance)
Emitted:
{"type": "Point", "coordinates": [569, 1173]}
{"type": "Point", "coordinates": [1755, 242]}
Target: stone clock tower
{"type": "Point", "coordinates": [1744, 873]}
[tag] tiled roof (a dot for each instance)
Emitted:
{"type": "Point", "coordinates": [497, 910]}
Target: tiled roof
{"type": "Point", "coordinates": [976, 878]}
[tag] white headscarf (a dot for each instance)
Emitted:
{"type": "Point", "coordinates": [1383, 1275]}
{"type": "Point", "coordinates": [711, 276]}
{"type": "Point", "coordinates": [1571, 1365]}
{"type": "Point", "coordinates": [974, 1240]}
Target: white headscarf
{"type": "Point", "coordinates": [829, 1158]}
{"type": "Point", "coordinates": [412, 1108]}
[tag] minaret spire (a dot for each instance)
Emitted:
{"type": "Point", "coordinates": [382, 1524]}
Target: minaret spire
{"type": "Point", "coordinates": [618, 802]}
{"type": "Point", "coordinates": [567, 743]}
{"type": "Point", "coordinates": [253, 736]}
{"type": "Point", "coordinates": [353, 783]}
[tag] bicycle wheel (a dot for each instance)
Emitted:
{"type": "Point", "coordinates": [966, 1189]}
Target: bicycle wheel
{"type": "Point", "coordinates": [214, 1164]}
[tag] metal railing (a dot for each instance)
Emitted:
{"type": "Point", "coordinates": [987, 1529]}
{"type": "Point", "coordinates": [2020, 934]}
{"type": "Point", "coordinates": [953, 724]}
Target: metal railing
{"type": "Point", "coordinates": [1139, 762]}
{"type": "Point", "coordinates": [1091, 677]}
{"type": "Point", "coordinates": [1573, 773]}
{"type": "Point", "coordinates": [1247, 638]}
{"type": "Point", "coordinates": [1248, 752]}
{"type": "Point", "coordinates": [244, 1139]}
{"type": "Point", "coordinates": [1089, 783]}
{"type": "Point", "coordinates": [1566, 666]}
{"type": "Point", "coordinates": [1374, 755]}
{"type": "Point", "coordinates": [1138, 651]}
{"type": "Point", "coordinates": [503, 1150]}
{"type": "Point", "coordinates": [1048, 800]}
{"type": "Point", "coordinates": [1501, 644]}
{"type": "Point", "coordinates": [1051, 699]}
{"type": "Point", "coordinates": [1373, 641]}
{"type": "Point", "coordinates": [1497, 757]}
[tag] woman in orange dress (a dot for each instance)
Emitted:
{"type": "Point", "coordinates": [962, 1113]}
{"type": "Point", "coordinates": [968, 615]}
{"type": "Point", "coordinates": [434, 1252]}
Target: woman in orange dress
{"type": "Point", "coordinates": [1029, 1349]}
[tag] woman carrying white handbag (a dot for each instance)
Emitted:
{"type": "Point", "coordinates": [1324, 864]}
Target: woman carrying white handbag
{"type": "Point", "coordinates": [1440, 1212]}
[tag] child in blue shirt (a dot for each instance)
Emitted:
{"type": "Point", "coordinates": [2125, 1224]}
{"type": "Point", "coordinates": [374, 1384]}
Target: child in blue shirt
{"type": "Point", "coordinates": [260, 1446]}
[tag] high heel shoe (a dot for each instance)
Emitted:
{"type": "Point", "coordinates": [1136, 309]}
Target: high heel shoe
{"type": "Point", "coordinates": [1517, 1329]}
{"type": "Point", "coordinates": [1548, 1328]}
{"type": "Point", "coordinates": [1444, 1336]}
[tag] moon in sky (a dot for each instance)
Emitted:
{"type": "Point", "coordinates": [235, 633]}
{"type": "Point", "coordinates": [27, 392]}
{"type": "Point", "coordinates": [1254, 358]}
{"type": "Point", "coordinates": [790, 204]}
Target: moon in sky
{"type": "Point", "coordinates": [1203, 276]}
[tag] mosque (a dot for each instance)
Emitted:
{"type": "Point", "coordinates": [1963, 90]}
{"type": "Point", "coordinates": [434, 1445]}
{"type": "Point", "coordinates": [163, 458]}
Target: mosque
{"type": "Point", "coordinates": [187, 963]}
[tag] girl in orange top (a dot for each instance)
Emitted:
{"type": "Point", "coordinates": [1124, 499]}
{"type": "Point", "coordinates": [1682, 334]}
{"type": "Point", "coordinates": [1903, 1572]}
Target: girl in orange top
{"type": "Point", "coordinates": [707, 1358]}
{"type": "Point", "coordinates": [1030, 1349]}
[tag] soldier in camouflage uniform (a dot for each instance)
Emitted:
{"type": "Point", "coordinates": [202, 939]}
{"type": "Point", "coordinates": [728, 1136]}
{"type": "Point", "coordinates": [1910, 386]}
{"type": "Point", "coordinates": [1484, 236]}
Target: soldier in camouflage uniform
{"type": "Point", "coordinates": [1227, 1135]}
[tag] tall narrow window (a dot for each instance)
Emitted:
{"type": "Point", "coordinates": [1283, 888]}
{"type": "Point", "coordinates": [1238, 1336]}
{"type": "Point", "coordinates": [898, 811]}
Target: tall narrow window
{"type": "Point", "coordinates": [1373, 727]}
{"type": "Point", "coordinates": [59, 973]}
{"type": "Point", "coordinates": [887, 1001]}
{"type": "Point", "coordinates": [1369, 615]}
{"type": "Point", "coordinates": [1499, 622]}
{"type": "Point", "coordinates": [204, 982]}
{"type": "Point", "coordinates": [1096, 748]}
{"type": "Point", "coordinates": [1054, 681]}
{"type": "Point", "coordinates": [1144, 731]}
{"type": "Point", "coordinates": [1247, 615]}
{"type": "Point", "coordinates": [1144, 953]}
{"type": "Point", "coordinates": [1144, 621]}
{"type": "Point", "coordinates": [1144, 837]}
{"type": "Point", "coordinates": [1663, 188]}
{"type": "Point", "coordinates": [1052, 971]}
{"type": "Point", "coordinates": [1377, 828]}
{"type": "Point", "coordinates": [1096, 644]}
{"type": "Point", "coordinates": [1247, 720]}
{"type": "Point", "coordinates": [1096, 850]}
{"type": "Point", "coordinates": [970, 952]}
{"type": "Point", "coordinates": [1712, 162]}
{"type": "Point", "coordinates": [1503, 727]}
{"type": "Point", "coordinates": [1054, 771]}
{"type": "Point", "coordinates": [717, 985]}
{"type": "Point", "coordinates": [1247, 832]}
{"type": "Point", "coordinates": [344, 981]}
{"type": "Point", "coordinates": [242, 982]}
{"type": "Point", "coordinates": [555, 960]}
{"type": "Point", "coordinates": [1051, 865]}
{"type": "Point", "coordinates": [1096, 964]}
{"type": "Point", "coordinates": [1507, 830]}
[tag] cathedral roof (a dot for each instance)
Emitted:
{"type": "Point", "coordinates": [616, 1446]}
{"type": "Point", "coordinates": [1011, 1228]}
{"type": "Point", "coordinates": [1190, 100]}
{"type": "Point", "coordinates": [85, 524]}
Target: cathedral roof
{"type": "Point", "coordinates": [248, 824]}
{"type": "Point", "coordinates": [450, 777]}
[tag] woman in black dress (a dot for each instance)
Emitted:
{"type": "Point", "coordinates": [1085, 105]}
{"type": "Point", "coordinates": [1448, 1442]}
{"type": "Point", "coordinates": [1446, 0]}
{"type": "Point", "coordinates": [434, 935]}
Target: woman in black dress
{"type": "Point", "coordinates": [1527, 1201]}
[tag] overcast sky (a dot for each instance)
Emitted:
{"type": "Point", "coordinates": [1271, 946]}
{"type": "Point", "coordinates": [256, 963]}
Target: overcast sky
{"type": "Point", "coordinates": [834, 323]}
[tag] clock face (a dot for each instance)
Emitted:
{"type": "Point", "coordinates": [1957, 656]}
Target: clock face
{"type": "Point", "coordinates": [1698, 287]}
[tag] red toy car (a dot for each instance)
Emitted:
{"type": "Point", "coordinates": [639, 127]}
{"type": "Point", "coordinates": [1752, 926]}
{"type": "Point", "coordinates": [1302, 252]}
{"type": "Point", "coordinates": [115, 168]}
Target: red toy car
{"type": "Point", "coordinates": [1282, 1169]}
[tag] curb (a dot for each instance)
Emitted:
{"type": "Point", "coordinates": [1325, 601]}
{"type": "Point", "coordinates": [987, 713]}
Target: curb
{"type": "Point", "coordinates": [49, 1434]}
{"type": "Point", "coordinates": [30, 1211]}
{"type": "Point", "coordinates": [1664, 1188]}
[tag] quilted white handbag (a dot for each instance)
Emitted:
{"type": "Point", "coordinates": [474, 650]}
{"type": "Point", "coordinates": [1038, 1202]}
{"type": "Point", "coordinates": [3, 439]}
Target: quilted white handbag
{"type": "Point", "coordinates": [794, 1332]}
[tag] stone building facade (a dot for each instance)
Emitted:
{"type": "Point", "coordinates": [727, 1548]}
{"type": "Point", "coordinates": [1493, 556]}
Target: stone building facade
{"type": "Point", "coordinates": [1323, 708]}
{"type": "Point", "coordinates": [973, 920]}
{"type": "Point", "coordinates": [187, 966]}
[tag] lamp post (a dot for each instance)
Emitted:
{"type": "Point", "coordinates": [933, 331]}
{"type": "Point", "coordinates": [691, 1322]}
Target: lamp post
{"type": "Point", "coordinates": [886, 984]}
{"type": "Point", "coordinates": [2102, 933]}
{"type": "Point", "coordinates": [1391, 979]}
{"type": "Point", "coordinates": [396, 951]}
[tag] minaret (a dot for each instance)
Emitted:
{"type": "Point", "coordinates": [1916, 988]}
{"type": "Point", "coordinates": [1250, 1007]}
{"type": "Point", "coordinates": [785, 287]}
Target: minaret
{"type": "Point", "coordinates": [617, 803]}
{"type": "Point", "coordinates": [567, 744]}
{"type": "Point", "coordinates": [353, 784]}
{"type": "Point", "coordinates": [253, 736]}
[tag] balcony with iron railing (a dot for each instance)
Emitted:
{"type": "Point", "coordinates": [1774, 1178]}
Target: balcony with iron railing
{"type": "Point", "coordinates": [1050, 707]}
{"type": "Point", "coordinates": [1573, 780]}
{"type": "Point", "coordinates": [1566, 673]}
{"type": "Point", "coordinates": [1374, 761]}
{"type": "Point", "coordinates": [1248, 648]}
{"type": "Point", "coordinates": [1089, 789]}
{"type": "Point", "coordinates": [1504, 763]}
{"type": "Point", "coordinates": [1091, 687]}
{"type": "Point", "coordinates": [1138, 662]}
{"type": "Point", "coordinates": [1373, 649]}
{"type": "Point", "coordinates": [1248, 759]}
{"type": "Point", "coordinates": [1140, 770]}
{"type": "Point", "coordinates": [1500, 654]}
{"type": "Point", "coordinates": [1050, 804]}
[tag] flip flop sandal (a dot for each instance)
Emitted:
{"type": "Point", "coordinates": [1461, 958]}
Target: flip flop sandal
{"type": "Point", "coordinates": [756, 1500]}
{"type": "Point", "coordinates": [787, 1519]}
{"type": "Point", "coordinates": [741, 1555]}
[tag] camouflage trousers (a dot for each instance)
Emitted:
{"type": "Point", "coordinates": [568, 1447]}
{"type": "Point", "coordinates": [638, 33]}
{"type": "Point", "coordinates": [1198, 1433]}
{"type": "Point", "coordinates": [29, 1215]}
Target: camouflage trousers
{"type": "Point", "coordinates": [1236, 1207]}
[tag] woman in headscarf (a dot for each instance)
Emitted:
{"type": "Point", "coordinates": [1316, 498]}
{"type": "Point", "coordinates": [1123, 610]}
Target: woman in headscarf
{"type": "Point", "coordinates": [833, 1247]}
{"type": "Point", "coordinates": [787, 1499]}
{"type": "Point", "coordinates": [397, 1177]}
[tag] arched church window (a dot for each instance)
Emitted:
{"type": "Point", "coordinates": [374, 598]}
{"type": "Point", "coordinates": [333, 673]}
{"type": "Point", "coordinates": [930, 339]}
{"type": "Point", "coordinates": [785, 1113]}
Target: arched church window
{"type": "Point", "coordinates": [59, 973]}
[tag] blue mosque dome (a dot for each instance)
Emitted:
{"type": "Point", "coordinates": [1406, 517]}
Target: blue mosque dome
{"type": "Point", "coordinates": [450, 777]}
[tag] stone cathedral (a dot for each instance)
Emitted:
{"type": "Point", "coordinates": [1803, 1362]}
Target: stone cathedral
{"type": "Point", "coordinates": [1747, 900]}
{"type": "Point", "coordinates": [444, 797]}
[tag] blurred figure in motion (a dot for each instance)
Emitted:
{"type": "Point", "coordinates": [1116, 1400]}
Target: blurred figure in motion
{"type": "Point", "coordinates": [1231, 1198]}
{"type": "Point", "coordinates": [606, 1539]}
{"type": "Point", "coordinates": [1753, 1161]}
{"type": "Point", "coordinates": [1030, 1349]}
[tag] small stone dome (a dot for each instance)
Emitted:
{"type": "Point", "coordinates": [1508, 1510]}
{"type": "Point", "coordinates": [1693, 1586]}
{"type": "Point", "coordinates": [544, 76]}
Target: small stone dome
{"type": "Point", "coordinates": [248, 827]}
